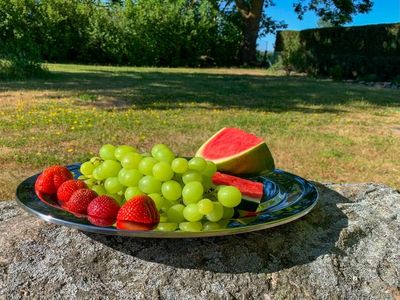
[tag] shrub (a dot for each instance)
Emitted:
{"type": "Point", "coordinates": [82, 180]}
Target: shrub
{"type": "Point", "coordinates": [133, 32]}
{"type": "Point", "coordinates": [336, 72]}
{"type": "Point", "coordinates": [19, 52]}
{"type": "Point", "coordinates": [20, 68]}
{"type": "Point", "coordinates": [348, 52]}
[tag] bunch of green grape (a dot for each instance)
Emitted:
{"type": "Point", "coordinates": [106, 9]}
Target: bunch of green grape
{"type": "Point", "coordinates": [181, 189]}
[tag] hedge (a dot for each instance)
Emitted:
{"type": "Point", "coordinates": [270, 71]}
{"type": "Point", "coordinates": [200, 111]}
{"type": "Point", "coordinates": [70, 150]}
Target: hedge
{"type": "Point", "coordinates": [137, 32]}
{"type": "Point", "coordinates": [342, 52]}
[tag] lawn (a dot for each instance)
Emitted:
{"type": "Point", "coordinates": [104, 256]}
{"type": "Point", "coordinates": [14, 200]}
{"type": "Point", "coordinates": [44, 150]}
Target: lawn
{"type": "Point", "coordinates": [323, 130]}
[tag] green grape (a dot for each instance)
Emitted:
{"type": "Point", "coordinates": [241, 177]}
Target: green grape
{"type": "Point", "coordinates": [207, 226]}
{"type": "Point", "coordinates": [229, 196]}
{"type": "Point", "coordinates": [166, 205]}
{"type": "Point", "coordinates": [146, 165]}
{"type": "Point", "coordinates": [191, 213]}
{"type": "Point", "coordinates": [131, 191]}
{"type": "Point", "coordinates": [210, 169]}
{"type": "Point", "coordinates": [197, 164]}
{"type": "Point", "coordinates": [179, 165]}
{"type": "Point", "coordinates": [175, 213]}
{"type": "Point", "coordinates": [87, 168]}
{"type": "Point", "coordinates": [158, 147]}
{"type": "Point", "coordinates": [158, 200]}
{"type": "Point", "coordinates": [165, 155]}
{"type": "Point", "coordinates": [99, 189]}
{"type": "Point", "coordinates": [178, 178]}
{"type": "Point", "coordinates": [122, 192]}
{"type": "Point", "coordinates": [171, 190]}
{"type": "Point", "coordinates": [96, 161]}
{"type": "Point", "coordinates": [82, 177]}
{"type": "Point", "coordinates": [98, 173]}
{"type": "Point", "coordinates": [131, 160]}
{"type": "Point", "coordinates": [129, 177]}
{"type": "Point", "coordinates": [112, 185]}
{"type": "Point", "coordinates": [207, 182]}
{"type": "Point", "coordinates": [190, 226]}
{"type": "Point", "coordinates": [228, 213]}
{"type": "Point", "coordinates": [110, 168]}
{"type": "Point", "coordinates": [192, 192]}
{"type": "Point", "coordinates": [167, 226]}
{"type": "Point", "coordinates": [216, 214]}
{"type": "Point", "coordinates": [162, 171]}
{"type": "Point", "coordinates": [107, 152]}
{"type": "Point", "coordinates": [146, 154]}
{"type": "Point", "coordinates": [163, 218]}
{"type": "Point", "coordinates": [122, 150]}
{"type": "Point", "coordinates": [205, 206]}
{"type": "Point", "coordinates": [190, 176]}
{"type": "Point", "coordinates": [90, 182]}
{"type": "Point", "coordinates": [149, 184]}
{"type": "Point", "coordinates": [120, 199]}
{"type": "Point", "coordinates": [223, 223]}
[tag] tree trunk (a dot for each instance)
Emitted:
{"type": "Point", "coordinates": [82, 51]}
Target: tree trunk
{"type": "Point", "coordinates": [251, 16]}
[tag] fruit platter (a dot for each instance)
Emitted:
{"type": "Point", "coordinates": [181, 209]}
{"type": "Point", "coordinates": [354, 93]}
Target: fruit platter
{"type": "Point", "coordinates": [229, 186]}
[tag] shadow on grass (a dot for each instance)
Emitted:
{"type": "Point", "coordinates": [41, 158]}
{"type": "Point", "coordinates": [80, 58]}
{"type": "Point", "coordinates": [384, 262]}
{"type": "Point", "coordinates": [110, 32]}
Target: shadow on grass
{"type": "Point", "coordinates": [162, 90]}
{"type": "Point", "coordinates": [266, 251]}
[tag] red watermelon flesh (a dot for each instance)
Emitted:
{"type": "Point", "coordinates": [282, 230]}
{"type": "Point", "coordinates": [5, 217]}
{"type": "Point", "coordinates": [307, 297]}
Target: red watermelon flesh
{"type": "Point", "coordinates": [251, 190]}
{"type": "Point", "coordinates": [237, 152]}
{"type": "Point", "coordinates": [230, 141]}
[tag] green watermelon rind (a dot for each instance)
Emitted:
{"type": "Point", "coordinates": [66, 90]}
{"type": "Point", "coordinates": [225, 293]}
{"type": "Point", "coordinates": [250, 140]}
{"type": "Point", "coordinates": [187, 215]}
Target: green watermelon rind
{"type": "Point", "coordinates": [248, 163]}
{"type": "Point", "coordinates": [254, 161]}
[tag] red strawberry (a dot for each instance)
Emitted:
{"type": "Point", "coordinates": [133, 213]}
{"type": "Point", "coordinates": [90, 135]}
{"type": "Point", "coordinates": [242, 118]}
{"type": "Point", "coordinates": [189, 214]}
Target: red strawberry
{"type": "Point", "coordinates": [103, 207]}
{"type": "Point", "coordinates": [66, 190]}
{"type": "Point", "coordinates": [79, 201]}
{"type": "Point", "coordinates": [43, 186]}
{"type": "Point", "coordinates": [128, 225]}
{"type": "Point", "coordinates": [101, 222]}
{"type": "Point", "coordinates": [51, 178]}
{"type": "Point", "coordinates": [60, 175]}
{"type": "Point", "coordinates": [140, 209]}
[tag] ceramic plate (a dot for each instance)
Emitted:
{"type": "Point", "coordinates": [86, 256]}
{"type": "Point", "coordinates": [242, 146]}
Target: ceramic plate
{"type": "Point", "coordinates": [287, 197]}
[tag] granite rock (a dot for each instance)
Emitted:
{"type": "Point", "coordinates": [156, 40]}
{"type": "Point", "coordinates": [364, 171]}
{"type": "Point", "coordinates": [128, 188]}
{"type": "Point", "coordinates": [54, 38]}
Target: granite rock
{"type": "Point", "coordinates": [347, 247]}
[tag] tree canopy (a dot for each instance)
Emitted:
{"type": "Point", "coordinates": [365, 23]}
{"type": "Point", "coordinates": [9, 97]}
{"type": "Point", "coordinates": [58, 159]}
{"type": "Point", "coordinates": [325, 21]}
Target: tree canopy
{"type": "Point", "coordinates": [151, 32]}
{"type": "Point", "coordinates": [256, 21]}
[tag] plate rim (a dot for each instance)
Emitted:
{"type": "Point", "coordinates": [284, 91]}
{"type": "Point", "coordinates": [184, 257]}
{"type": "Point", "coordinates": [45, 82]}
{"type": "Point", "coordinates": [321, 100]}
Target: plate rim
{"type": "Point", "coordinates": [161, 234]}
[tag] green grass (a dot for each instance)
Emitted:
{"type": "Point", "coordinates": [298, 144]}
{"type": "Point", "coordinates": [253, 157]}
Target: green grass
{"type": "Point", "coordinates": [320, 129]}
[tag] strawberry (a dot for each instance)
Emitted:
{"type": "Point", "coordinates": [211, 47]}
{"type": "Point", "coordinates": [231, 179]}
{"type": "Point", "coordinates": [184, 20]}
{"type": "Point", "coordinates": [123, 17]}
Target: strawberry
{"type": "Point", "coordinates": [60, 175]}
{"type": "Point", "coordinates": [100, 221]}
{"type": "Point", "coordinates": [79, 201]}
{"type": "Point", "coordinates": [103, 207]}
{"type": "Point", "coordinates": [43, 186]}
{"type": "Point", "coordinates": [66, 190]}
{"type": "Point", "coordinates": [140, 209]}
{"type": "Point", "coordinates": [128, 225]}
{"type": "Point", "coordinates": [51, 179]}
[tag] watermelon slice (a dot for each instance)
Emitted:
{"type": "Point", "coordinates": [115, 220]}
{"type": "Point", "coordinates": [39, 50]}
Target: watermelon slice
{"type": "Point", "coordinates": [252, 191]}
{"type": "Point", "coordinates": [237, 152]}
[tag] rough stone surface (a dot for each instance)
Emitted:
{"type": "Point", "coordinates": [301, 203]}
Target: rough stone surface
{"type": "Point", "coordinates": [348, 247]}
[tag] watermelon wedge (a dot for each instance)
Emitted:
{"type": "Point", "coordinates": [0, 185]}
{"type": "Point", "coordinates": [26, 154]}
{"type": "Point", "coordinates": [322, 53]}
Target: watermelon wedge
{"type": "Point", "coordinates": [256, 196]}
{"type": "Point", "coordinates": [237, 152]}
{"type": "Point", "coordinates": [250, 190]}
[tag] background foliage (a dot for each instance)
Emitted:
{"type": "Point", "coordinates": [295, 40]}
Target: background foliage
{"type": "Point", "coordinates": [188, 33]}
{"type": "Point", "coordinates": [142, 32]}
{"type": "Point", "coordinates": [343, 52]}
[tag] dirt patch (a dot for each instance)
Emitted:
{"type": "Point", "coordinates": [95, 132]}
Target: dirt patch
{"type": "Point", "coordinates": [396, 130]}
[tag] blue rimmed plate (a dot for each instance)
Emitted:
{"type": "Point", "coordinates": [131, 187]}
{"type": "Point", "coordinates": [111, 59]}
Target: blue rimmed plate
{"type": "Point", "coordinates": [287, 197]}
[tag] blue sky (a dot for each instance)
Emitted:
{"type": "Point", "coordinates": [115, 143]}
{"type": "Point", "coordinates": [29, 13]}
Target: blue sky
{"type": "Point", "coordinates": [383, 11]}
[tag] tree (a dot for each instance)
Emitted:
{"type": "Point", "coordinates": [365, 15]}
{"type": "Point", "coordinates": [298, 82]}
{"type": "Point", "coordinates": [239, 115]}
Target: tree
{"type": "Point", "coordinates": [324, 24]}
{"type": "Point", "coordinates": [256, 22]}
